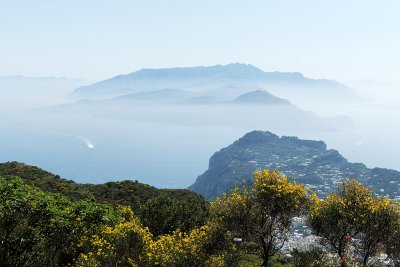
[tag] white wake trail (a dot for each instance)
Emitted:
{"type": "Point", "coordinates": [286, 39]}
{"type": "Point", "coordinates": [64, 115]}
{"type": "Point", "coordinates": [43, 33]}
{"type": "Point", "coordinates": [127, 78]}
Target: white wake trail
{"type": "Point", "coordinates": [85, 139]}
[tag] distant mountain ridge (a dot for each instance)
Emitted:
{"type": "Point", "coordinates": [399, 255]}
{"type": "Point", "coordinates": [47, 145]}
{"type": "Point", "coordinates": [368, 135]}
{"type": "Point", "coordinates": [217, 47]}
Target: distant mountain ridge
{"type": "Point", "coordinates": [198, 78]}
{"type": "Point", "coordinates": [307, 161]}
{"type": "Point", "coordinates": [176, 96]}
{"type": "Point", "coordinates": [158, 95]}
{"type": "Point", "coordinates": [203, 108]}
{"type": "Point", "coordinates": [260, 98]}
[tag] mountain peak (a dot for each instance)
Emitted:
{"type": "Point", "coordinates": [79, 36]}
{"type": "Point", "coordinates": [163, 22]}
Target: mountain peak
{"type": "Point", "coordinates": [306, 161]}
{"type": "Point", "coordinates": [263, 137]}
{"type": "Point", "coordinates": [241, 66]}
{"type": "Point", "coordinates": [260, 97]}
{"type": "Point", "coordinates": [257, 137]}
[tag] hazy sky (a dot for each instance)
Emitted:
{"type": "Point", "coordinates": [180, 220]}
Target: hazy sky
{"type": "Point", "coordinates": [94, 39]}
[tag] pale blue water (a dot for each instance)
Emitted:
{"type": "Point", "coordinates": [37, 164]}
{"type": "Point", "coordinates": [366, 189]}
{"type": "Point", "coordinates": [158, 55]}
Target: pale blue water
{"type": "Point", "coordinates": [162, 155]}
{"type": "Point", "coordinates": [170, 155]}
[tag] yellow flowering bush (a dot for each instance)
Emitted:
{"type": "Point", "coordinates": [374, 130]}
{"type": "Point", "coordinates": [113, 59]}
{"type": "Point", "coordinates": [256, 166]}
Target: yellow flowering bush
{"type": "Point", "coordinates": [176, 249]}
{"type": "Point", "coordinates": [131, 244]}
{"type": "Point", "coordinates": [352, 213]}
{"type": "Point", "coordinates": [262, 214]}
{"type": "Point", "coordinates": [276, 194]}
{"type": "Point", "coordinates": [123, 245]}
{"type": "Point", "coordinates": [201, 246]}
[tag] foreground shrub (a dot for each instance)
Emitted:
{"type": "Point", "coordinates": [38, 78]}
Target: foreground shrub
{"type": "Point", "coordinates": [262, 214]}
{"type": "Point", "coordinates": [354, 224]}
{"type": "Point", "coordinates": [44, 229]}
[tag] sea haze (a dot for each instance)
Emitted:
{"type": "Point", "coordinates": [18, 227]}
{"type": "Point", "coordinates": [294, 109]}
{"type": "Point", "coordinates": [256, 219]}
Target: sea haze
{"type": "Point", "coordinates": [162, 126]}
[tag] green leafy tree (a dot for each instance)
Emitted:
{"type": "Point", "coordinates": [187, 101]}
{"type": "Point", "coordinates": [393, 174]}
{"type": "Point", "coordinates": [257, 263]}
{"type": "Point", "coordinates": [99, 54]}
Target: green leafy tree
{"type": "Point", "coordinates": [164, 214]}
{"type": "Point", "coordinates": [393, 244]}
{"type": "Point", "coordinates": [353, 223]}
{"type": "Point", "coordinates": [311, 257]}
{"type": "Point", "coordinates": [44, 229]}
{"type": "Point", "coordinates": [262, 214]}
{"type": "Point", "coordinates": [377, 227]}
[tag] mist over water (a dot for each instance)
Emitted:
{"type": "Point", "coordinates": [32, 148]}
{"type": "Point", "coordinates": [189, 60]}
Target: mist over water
{"type": "Point", "coordinates": [374, 137]}
{"type": "Point", "coordinates": [160, 154]}
{"type": "Point", "coordinates": [169, 145]}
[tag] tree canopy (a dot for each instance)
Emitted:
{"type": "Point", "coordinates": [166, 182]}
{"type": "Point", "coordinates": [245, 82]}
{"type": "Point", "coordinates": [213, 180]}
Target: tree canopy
{"type": "Point", "coordinates": [246, 227]}
{"type": "Point", "coordinates": [262, 214]}
{"type": "Point", "coordinates": [355, 225]}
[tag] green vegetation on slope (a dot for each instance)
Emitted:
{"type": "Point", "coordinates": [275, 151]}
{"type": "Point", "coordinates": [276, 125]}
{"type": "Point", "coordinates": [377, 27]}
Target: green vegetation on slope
{"type": "Point", "coordinates": [44, 229]}
{"type": "Point", "coordinates": [187, 209]}
{"type": "Point", "coordinates": [247, 227]}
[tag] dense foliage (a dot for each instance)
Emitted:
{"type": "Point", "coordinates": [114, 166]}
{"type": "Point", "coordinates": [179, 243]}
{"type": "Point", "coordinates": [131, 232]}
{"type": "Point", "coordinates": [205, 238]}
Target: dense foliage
{"type": "Point", "coordinates": [355, 225]}
{"type": "Point", "coordinates": [165, 214]}
{"type": "Point", "coordinates": [163, 210]}
{"type": "Point", "coordinates": [247, 227]}
{"type": "Point", "coordinates": [262, 214]}
{"type": "Point", "coordinates": [130, 193]}
{"type": "Point", "coordinates": [44, 229]}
